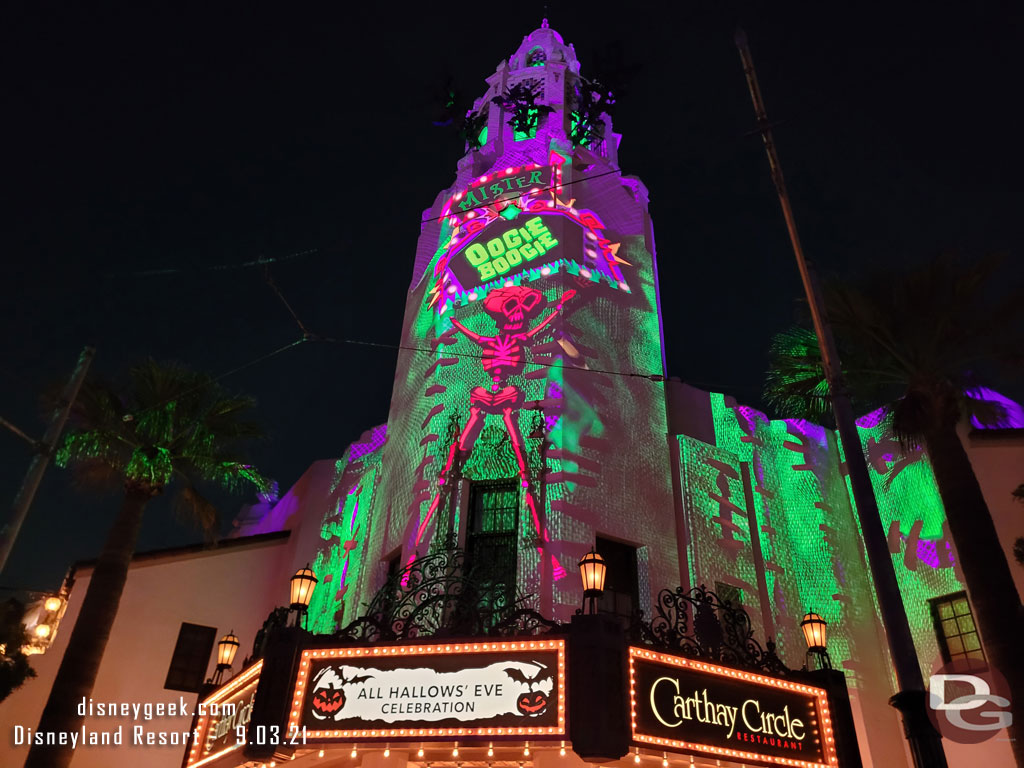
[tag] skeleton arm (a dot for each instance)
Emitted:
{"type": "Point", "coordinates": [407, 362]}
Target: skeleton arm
{"type": "Point", "coordinates": [551, 316]}
{"type": "Point", "coordinates": [469, 334]}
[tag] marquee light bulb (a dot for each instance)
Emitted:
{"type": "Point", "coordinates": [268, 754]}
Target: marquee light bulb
{"type": "Point", "coordinates": [562, 752]}
{"type": "Point", "coordinates": [636, 758]}
{"type": "Point", "coordinates": [455, 752]}
{"type": "Point", "coordinates": [490, 751]}
{"type": "Point", "coordinates": [321, 753]}
{"type": "Point", "coordinates": [387, 752]}
{"type": "Point", "coordinates": [420, 753]}
{"type": "Point", "coordinates": [354, 753]}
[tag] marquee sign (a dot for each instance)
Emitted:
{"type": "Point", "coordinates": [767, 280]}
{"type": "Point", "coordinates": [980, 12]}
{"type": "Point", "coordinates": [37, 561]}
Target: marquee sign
{"type": "Point", "coordinates": [686, 705]}
{"type": "Point", "coordinates": [518, 224]}
{"type": "Point", "coordinates": [510, 184]}
{"type": "Point", "coordinates": [414, 691]}
{"type": "Point", "coordinates": [224, 718]}
{"type": "Point", "coordinates": [504, 249]}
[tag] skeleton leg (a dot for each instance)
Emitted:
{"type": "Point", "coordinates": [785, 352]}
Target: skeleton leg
{"type": "Point", "coordinates": [462, 443]}
{"type": "Point", "coordinates": [472, 429]}
{"type": "Point", "coordinates": [517, 443]}
{"type": "Point", "coordinates": [531, 500]}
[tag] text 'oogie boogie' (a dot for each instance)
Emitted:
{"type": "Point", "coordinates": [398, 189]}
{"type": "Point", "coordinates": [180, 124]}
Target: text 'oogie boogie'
{"type": "Point", "coordinates": [501, 254]}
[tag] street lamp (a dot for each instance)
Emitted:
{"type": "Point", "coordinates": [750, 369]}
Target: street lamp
{"type": "Point", "coordinates": [302, 584]}
{"type": "Point", "coordinates": [226, 649]}
{"type": "Point", "coordinates": [592, 571]}
{"type": "Point", "coordinates": [815, 629]}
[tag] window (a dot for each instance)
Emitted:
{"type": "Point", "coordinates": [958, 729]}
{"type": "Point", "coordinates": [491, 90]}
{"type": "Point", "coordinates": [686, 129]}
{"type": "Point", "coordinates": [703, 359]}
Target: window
{"type": "Point", "coordinates": [533, 120]}
{"type": "Point", "coordinates": [955, 630]}
{"type": "Point", "coordinates": [727, 593]}
{"type": "Point", "coordinates": [191, 657]}
{"type": "Point", "coordinates": [394, 564]}
{"type": "Point", "coordinates": [621, 594]}
{"type": "Point", "coordinates": [536, 57]}
{"type": "Point", "coordinates": [492, 535]}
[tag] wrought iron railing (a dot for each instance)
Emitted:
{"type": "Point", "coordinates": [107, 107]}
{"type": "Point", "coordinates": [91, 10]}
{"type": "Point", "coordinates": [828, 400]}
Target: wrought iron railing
{"type": "Point", "coordinates": [697, 624]}
{"type": "Point", "coordinates": [441, 596]}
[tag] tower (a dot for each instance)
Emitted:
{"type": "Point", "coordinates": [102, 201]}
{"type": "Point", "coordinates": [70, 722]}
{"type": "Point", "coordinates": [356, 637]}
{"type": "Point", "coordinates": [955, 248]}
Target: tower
{"type": "Point", "coordinates": [528, 414]}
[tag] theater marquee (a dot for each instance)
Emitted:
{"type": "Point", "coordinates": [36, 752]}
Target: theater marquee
{"type": "Point", "coordinates": [413, 691]}
{"type": "Point", "coordinates": [691, 706]}
{"type": "Point", "coordinates": [224, 725]}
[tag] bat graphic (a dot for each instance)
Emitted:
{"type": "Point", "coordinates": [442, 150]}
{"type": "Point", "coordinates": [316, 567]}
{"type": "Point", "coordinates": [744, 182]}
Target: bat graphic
{"type": "Point", "coordinates": [520, 677]}
{"type": "Point", "coordinates": [530, 703]}
{"type": "Point", "coordinates": [357, 679]}
{"type": "Point", "coordinates": [330, 698]}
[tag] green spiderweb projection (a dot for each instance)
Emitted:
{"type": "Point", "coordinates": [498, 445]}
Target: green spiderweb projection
{"type": "Point", "coordinates": [809, 534]}
{"type": "Point", "coordinates": [804, 524]}
{"type": "Point", "coordinates": [913, 516]}
{"type": "Point", "coordinates": [339, 560]}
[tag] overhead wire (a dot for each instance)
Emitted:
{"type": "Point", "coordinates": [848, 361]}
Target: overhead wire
{"type": "Point", "coordinates": [308, 335]}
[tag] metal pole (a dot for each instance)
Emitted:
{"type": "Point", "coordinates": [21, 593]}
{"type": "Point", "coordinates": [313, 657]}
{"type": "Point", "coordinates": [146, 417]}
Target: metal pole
{"type": "Point", "coordinates": [925, 742]}
{"type": "Point", "coordinates": [44, 451]}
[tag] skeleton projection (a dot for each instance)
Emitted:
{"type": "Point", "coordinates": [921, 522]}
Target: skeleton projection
{"type": "Point", "coordinates": [512, 308]}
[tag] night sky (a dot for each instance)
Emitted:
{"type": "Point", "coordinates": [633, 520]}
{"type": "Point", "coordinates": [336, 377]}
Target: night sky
{"type": "Point", "coordinates": [150, 156]}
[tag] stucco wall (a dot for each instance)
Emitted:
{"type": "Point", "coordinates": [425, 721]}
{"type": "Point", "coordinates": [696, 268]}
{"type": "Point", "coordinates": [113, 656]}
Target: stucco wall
{"type": "Point", "coordinates": [230, 589]}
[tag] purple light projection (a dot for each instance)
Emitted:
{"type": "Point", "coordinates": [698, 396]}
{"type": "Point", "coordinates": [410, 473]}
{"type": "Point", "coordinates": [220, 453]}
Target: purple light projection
{"type": "Point", "coordinates": [376, 438]}
{"type": "Point", "coordinates": [873, 419]}
{"type": "Point", "coordinates": [1014, 418]}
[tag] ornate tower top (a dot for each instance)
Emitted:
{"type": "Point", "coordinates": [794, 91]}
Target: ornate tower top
{"type": "Point", "coordinates": [538, 102]}
{"type": "Point", "coordinates": [543, 45]}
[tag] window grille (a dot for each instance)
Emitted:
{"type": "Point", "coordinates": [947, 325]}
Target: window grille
{"type": "Point", "coordinates": [492, 541]}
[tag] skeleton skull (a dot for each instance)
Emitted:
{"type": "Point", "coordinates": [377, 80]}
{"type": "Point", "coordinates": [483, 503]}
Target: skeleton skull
{"type": "Point", "coordinates": [512, 305]}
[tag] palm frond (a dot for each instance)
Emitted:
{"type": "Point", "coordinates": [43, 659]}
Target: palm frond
{"type": "Point", "coordinates": [917, 341]}
{"type": "Point", "coordinates": [167, 423]}
{"type": "Point", "coordinates": [795, 383]}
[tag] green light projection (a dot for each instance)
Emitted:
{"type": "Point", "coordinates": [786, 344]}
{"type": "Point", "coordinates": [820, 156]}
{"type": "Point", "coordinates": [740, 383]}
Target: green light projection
{"type": "Point", "coordinates": [809, 559]}
{"type": "Point", "coordinates": [915, 521]}
{"type": "Point", "coordinates": [810, 539]}
{"type": "Point", "coordinates": [339, 561]}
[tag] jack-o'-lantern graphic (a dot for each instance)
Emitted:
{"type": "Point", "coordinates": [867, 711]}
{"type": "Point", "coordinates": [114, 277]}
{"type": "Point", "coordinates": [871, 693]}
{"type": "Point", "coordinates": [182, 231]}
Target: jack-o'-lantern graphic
{"type": "Point", "coordinates": [327, 701]}
{"type": "Point", "coordinates": [328, 696]}
{"type": "Point", "coordinates": [530, 702]}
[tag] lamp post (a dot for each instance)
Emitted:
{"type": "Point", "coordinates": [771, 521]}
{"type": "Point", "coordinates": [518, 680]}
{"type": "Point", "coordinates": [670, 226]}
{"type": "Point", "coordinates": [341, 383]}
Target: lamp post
{"type": "Point", "coordinates": [815, 631]}
{"type": "Point", "coordinates": [226, 649]}
{"type": "Point", "coordinates": [302, 585]}
{"type": "Point", "coordinates": [592, 571]}
{"type": "Point", "coordinates": [924, 741]}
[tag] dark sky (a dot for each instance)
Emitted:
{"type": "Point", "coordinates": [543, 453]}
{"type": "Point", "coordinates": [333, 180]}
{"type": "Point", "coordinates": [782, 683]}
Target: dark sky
{"type": "Point", "coordinates": [150, 154]}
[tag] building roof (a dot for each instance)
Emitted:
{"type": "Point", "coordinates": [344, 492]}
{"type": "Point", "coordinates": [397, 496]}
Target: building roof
{"type": "Point", "coordinates": [196, 549]}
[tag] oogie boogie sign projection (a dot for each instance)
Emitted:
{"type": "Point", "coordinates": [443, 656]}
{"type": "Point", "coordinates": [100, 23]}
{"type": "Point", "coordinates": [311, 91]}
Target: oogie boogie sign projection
{"type": "Point", "coordinates": [492, 688]}
{"type": "Point", "coordinates": [693, 706]}
{"type": "Point", "coordinates": [499, 251]}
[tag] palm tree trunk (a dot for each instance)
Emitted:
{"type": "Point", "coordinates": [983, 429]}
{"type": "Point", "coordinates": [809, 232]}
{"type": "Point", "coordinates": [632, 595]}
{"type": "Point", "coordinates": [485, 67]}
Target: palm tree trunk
{"type": "Point", "coordinates": [81, 662]}
{"type": "Point", "coordinates": [997, 605]}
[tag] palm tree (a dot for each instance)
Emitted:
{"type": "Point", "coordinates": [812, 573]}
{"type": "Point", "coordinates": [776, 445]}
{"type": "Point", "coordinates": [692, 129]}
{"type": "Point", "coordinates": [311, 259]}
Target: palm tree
{"type": "Point", "coordinates": [918, 344]}
{"type": "Point", "coordinates": [169, 427]}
